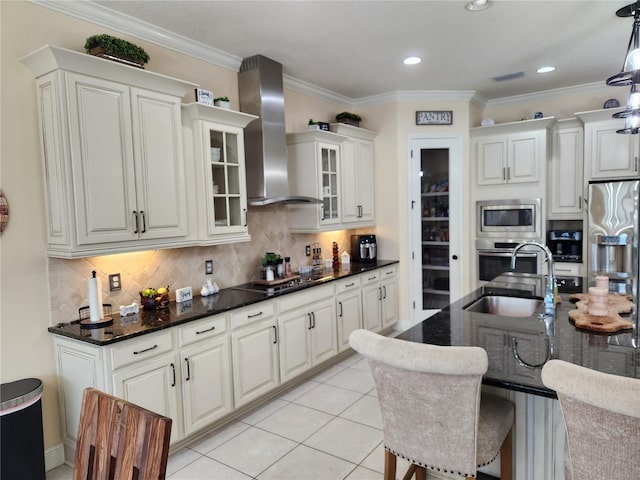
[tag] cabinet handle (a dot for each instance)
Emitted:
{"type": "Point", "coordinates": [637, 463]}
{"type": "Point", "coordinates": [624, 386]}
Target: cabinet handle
{"type": "Point", "coordinates": [580, 201]}
{"type": "Point", "coordinates": [340, 305]}
{"type": "Point", "coordinates": [384, 287]}
{"type": "Point", "coordinates": [390, 272]}
{"type": "Point", "coordinates": [188, 370]}
{"type": "Point", "coordinates": [206, 330]}
{"type": "Point", "coordinates": [173, 370]}
{"type": "Point", "coordinates": [322, 208]}
{"type": "Point", "coordinates": [350, 284]}
{"type": "Point", "coordinates": [313, 318]}
{"type": "Point", "coordinates": [246, 219]}
{"type": "Point", "coordinates": [379, 293]}
{"type": "Point", "coordinates": [255, 315]}
{"type": "Point", "coordinates": [144, 222]}
{"type": "Point", "coordinates": [138, 352]}
{"type": "Point", "coordinates": [504, 173]}
{"type": "Point", "coordinates": [508, 173]}
{"type": "Point", "coordinates": [135, 220]}
{"type": "Point", "coordinates": [359, 211]}
{"type": "Point", "coordinates": [310, 324]}
{"type": "Point", "coordinates": [371, 278]}
{"type": "Point", "coordinates": [455, 257]}
{"type": "Point", "coordinates": [275, 334]}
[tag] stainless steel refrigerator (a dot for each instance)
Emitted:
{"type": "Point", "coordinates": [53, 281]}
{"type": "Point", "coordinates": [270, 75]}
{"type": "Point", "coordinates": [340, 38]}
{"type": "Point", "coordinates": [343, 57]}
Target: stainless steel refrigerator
{"type": "Point", "coordinates": [613, 234]}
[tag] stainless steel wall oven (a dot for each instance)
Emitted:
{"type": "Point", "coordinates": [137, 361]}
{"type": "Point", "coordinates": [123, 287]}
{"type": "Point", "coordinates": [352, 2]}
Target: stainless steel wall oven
{"type": "Point", "coordinates": [500, 226]}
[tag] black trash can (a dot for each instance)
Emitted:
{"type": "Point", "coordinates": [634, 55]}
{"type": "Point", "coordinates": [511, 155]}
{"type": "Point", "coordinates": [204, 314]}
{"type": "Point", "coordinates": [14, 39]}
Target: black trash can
{"type": "Point", "coordinates": [21, 438]}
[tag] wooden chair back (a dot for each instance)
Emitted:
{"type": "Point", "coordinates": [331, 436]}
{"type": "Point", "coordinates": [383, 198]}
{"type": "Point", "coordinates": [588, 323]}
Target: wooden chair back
{"type": "Point", "coordinates": [120, 440]}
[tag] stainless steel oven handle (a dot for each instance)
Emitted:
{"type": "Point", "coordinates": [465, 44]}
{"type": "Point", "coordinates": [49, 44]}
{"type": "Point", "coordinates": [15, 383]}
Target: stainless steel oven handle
{"type": "Point", "coordinates": [506, 253]}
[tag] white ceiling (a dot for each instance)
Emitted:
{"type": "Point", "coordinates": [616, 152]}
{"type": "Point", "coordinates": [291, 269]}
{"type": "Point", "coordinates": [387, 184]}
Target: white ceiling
{"type": "Point", "coordinates": [355, 48]}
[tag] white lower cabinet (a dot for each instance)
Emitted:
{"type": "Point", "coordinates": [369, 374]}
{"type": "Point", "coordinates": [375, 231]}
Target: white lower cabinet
{"type": "Point", "coordinates": [307, 330]}
{"type": "Point", "coordinates": [200, 371]}
{"type": "Point", "coordinates": [254, 347]}
{"type": "Point", "coordinates": [348, 309]}
{"type": "Point", "coordinates": [205, 364]}
{"type": "Point", "coordinates": [379, 298]}
{"type": "Point", "coordinates": [152, 384]}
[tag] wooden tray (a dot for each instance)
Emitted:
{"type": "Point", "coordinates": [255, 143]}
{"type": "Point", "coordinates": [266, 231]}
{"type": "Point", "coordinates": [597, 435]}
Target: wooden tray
{"type": "Point", "coordinates": [277, 281]}
{"type": "Point", "coordinates": [615, 303]}
{"type": "Point", "coordinates": [607, 323]}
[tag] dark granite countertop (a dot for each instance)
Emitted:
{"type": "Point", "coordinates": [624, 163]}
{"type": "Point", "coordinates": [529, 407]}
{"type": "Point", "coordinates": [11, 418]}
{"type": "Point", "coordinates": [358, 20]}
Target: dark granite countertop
{"type": "Point", "coordinates": [519, 347]}
{"type": "Point", "coordinates": [226, 299]}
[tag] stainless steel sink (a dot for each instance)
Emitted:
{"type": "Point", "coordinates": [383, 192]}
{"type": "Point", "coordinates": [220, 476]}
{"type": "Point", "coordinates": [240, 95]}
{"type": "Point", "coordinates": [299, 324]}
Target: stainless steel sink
{"type": "Point", "coordinates": [506, 306]}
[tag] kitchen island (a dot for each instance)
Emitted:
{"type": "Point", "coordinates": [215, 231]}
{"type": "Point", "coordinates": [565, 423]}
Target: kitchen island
{"type": "Point", "coordinates": [517, 348]}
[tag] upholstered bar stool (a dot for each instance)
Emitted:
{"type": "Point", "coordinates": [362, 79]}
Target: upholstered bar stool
{"type": "Point", "coordinates": [433, 413]}
{"type": "Point", "coordinates": [602, 415]}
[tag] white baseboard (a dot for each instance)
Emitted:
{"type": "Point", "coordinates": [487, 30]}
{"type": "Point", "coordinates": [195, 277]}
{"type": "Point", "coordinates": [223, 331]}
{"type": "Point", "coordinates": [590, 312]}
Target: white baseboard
{"type": "Point", "coordinates": [53, 457]}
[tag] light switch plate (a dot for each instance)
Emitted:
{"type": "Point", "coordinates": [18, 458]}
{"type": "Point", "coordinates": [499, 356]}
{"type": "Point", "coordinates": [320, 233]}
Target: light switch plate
{"type": "Point", "coordinates": [208, 267]}
{"type": "Point", "coordinates": [184, 294]}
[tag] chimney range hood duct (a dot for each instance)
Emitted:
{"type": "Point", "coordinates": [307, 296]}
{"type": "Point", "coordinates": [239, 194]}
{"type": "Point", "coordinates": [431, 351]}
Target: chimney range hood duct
{"type": "Point", "coordinates": [262, 94]}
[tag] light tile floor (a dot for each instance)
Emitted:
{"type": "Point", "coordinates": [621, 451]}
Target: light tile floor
{"type": "Point", "coordinates": [327, 428]}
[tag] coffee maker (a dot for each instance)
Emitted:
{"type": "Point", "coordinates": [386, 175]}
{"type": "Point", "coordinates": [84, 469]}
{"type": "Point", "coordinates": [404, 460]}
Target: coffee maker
{"type": "Point", "coordinates": [565, 245]}
{"type": "Point", "coordinates": [364, 248]}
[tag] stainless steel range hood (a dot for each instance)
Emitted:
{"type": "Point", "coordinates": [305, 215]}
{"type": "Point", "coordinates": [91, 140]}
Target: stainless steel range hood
{"type": "Point", "coordinates": [262, 94]}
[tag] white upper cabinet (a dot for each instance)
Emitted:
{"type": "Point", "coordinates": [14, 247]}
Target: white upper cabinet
{"type": "Point", "coordinates": [564, 177]}
{"type": "Point", "coordinates": [357, 183]}
{"type": "Point", "coordinates": [112, 152]}
{"type": "Point", "coordinates": [510, 153]}
{"type": "Point", "coordinates": [221, 191]}
{"type": "Point", "coordinates": [314, 171]}
{"type": "Point", "coordinates": [608, 155]}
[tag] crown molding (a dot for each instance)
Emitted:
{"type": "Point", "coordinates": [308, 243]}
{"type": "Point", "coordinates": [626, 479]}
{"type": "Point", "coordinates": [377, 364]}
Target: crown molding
{"type": "Point", "coordinates": [100, 15]}
{"type": "Point", "coordinates": [315, 91]}
{"type": "Point", "coordinates": [95, 13]}
{"type": "Point", "coordinates": [546, 94]}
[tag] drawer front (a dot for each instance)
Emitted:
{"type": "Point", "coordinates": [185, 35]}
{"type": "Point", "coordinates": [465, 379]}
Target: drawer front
{"type": "Point", "coordinates": [564, 269]}
{"type": "Point", "coordinates": [249, 315]}
{"type": "Point", "coordinates": [370, 277]}
{"type": "Point", "coordinates": [348, 284]}
{"type": "Point", "coordinates": [140, 349]}
{"type": "Point", "coordinates": [305, 297]}
{"type": "Point", "coordinates": [388, 272]}
{"type": "Point", "coordinates": [201, 329]}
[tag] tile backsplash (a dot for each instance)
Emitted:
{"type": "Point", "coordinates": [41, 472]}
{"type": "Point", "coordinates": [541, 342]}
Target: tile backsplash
{"type": "Point", "coordinates": [182, 267]}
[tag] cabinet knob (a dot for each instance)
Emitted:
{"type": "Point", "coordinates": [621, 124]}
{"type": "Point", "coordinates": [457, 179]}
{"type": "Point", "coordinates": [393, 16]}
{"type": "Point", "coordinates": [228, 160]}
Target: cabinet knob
{"type": "Point", "coordinates": [455, 257]}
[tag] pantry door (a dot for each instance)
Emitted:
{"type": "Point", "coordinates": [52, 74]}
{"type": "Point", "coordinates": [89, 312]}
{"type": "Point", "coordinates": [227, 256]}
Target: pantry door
{"type": "Point", "coordinates": [436, 218]}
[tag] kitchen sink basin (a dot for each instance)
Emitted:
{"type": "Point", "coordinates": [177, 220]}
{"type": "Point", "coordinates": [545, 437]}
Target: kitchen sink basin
{"type": "Point", "coordinates": [505, 306]}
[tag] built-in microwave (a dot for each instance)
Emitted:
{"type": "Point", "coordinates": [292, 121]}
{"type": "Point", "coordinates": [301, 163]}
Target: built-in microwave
{"type": "Point", "coordinates": [501, 219]}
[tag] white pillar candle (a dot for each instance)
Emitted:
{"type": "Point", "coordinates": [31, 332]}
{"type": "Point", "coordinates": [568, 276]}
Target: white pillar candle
{"type": "Point", "coordinates": [598, 299]}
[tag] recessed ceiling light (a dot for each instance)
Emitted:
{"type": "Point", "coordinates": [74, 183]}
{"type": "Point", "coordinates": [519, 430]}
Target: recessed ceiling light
{"type": "Point", "coordinates": [476, 5]}
{"type": "Point", "coordinates": [546, 69]}
{"type": "Point", "coordinates": [412, 60]}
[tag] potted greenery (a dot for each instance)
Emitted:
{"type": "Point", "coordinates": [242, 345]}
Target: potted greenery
{"type": "Point", "coordinates": [222, 102]}
{"type": "Point", "coordinates": [349, 118]}
{"type": "Point", "coordinates": [116, 49]}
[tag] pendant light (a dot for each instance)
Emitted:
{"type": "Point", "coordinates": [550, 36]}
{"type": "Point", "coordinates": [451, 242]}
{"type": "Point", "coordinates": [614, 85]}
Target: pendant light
{"type": "Point", "coordinates": [630, 72]}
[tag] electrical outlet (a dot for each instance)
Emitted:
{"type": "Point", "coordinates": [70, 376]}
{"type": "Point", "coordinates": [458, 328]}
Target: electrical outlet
{"type": "Point", "coordinates": [208, 267]}
{"type": "Point", "coordinates": [115, 282]}
{"type": "Point", "coordinates": [307, 250]}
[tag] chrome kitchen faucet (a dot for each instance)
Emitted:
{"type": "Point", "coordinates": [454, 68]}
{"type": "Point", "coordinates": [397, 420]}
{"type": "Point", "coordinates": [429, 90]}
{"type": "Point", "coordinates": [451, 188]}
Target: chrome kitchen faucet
{"type": "Point", "coordinates": [550, 295]}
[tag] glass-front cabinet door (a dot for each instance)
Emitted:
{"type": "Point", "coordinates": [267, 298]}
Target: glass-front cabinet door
{"type": "Point", "coordinates": [220, 180]}
{"type": "Point", "coordinates": [330, 183]}
{"type": "Point", "coordinates": [226, 208]}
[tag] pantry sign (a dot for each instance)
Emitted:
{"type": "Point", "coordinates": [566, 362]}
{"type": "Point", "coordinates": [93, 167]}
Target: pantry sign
{"type": "Point", "coordinates": [434, 117]}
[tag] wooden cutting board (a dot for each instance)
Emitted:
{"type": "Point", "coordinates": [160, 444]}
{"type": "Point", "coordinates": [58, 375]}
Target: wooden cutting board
{"type": "Point", "coordinates": [607, 323]}
{"type": "Point", "coordinates": [615, 303]}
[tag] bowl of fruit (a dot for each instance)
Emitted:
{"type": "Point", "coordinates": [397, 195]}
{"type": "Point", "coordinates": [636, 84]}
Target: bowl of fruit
{"type": "Point", "coordinates": [152, 298]}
